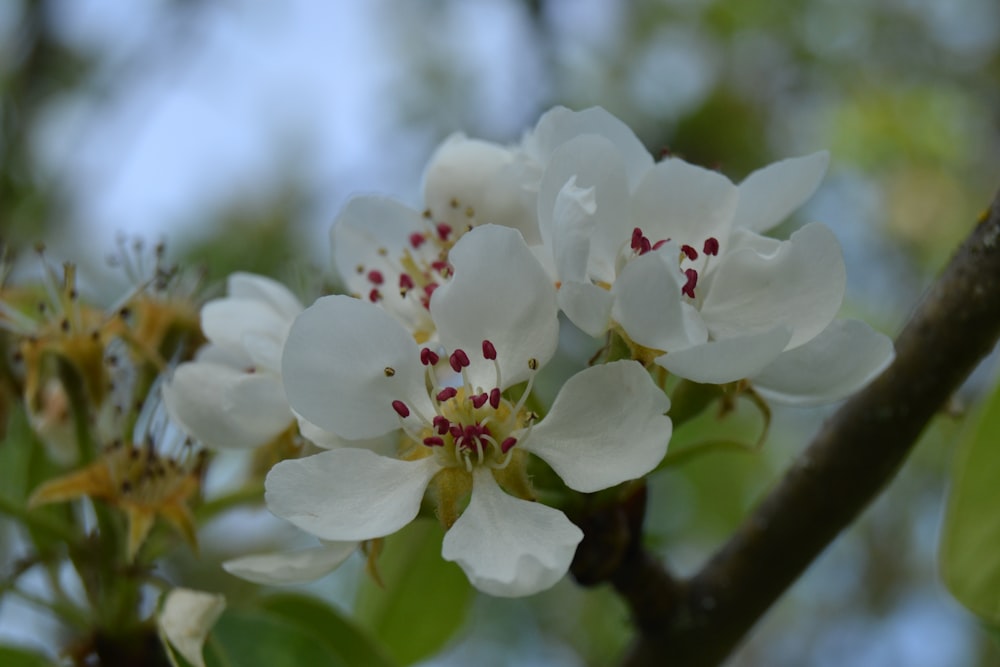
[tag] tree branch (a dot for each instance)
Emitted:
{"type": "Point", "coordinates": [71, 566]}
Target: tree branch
{"type": "Point", "coordinates": [853, 457]}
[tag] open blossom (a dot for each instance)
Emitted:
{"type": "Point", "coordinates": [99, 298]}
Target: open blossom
{"type": "Point", "coordinates": [351, 368]}
{"type": "Point", "coordinates": [231, 395]}
{"type": "Point", "coordinates": [675, 261]}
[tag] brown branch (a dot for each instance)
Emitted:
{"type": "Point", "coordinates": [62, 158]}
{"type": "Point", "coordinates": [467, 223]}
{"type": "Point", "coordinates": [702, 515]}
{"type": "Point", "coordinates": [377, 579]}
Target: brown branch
{"type": "Point", "coordinates": [850, 461]}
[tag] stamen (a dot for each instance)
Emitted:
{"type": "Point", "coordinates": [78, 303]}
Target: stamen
{"type": "Point", "coordinates": [659, 244]}
{"type": "Point", "coordinates": [691, 253]}
{"type": "Point", "coordinates": [636, 239]}
{"type": "Point", "coordinates": [446, 394]}
{"type": "Point", "coordinates": [434, 441]}
{"type": "Point", "coordinates": [489, 352]}
{"type": "Point", "coordinates": [442, 424]}
{"type": "Point", "coordinates": [429, 357]}
{"type": "Point", "coordinates": [405, 281]}
{"type": "Point", "coordinates": [401, 408]}
{"type": "Point", "coordinates": [375, 277]}
{"type": "Point", "coordinates": [480, 400]}
{"type": "Point", "coordinates": [711, 246]}
{"type": "Point", "coordinates": [692, 282]}
{"type": "Point", "coordinates": [459, 360]}
{"type": "Point", "coordinates": [443, 230]}
{"type": "Point", "coordinates": [495, 398]}
{"type": "Point", "coordinates": [374, 296]}
{"type": "Point", "coordinates": [507, 444]}
{"type": "Point", "coordinates": [417, 239]}
{"type": "Point", "coordinates": [389, 371]}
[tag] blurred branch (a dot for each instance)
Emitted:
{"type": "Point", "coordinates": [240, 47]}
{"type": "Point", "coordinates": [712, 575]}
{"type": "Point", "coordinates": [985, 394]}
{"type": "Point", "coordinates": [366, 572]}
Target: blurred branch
{"type": "Point", "coordinates": [857, 452]}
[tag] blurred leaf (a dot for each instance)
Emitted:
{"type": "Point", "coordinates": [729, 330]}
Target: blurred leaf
{"type": "Point", "coordinates": [341, 635]}
{"type": "Point", "coordinates": [424, 600]}
{"type": "Point", "coordinates": [243, 638]}
{"type": "Point", "coordinates": [11, 656]}
{"type": "Point", "coordinates": [970, 543]}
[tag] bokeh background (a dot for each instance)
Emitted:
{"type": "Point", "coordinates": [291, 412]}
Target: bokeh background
{"type": "Point", "coordinates": [235, 130]}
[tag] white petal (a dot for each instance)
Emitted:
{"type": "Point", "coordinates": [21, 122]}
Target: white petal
{"type": "Point", "coordinates": [648, 303]}
{"type": "Point", "coordinates": [348, 494]}
{"type": "Point", "coordinates": [384, 445]}
{"type": "Point", "coordinates": [590, 162]}
{"type": "Point", "coordinates": [225, 407]}
{"type": "Point", "coordinates": [500, 293]}
{"type": "Point", "coordinates": [559, 125]}
{"type": "Point", "coordinates": [510, 547]}
{"type": "Point", "coordinates": [226, 321]}
{"type": "Point", "coordinates": [334, 368]}
{"type": "Point", "coordinates": [800, 284]}
{"type": "Point", "coordinates": [366, 226]}
{"type": "Point", "coordinates": [587, 306]}
{"type": "Point", "coordinates": [847, 355]}
{"type": "Point", "coordinates": [573, 229]}
{"type": "Point", "coordinates": [242, 285]}
{"type": "Point", "coordinates": [685, 203]}
{"type": "Point", "coordinates": [186, 618]}
{"type": "Point", "coordinates": [291, 567]}
{"type": "Point", "coordinates": [607, 425]}
{"type": "Point", "coordinates": [727, 360]}
{"type": "Point", "coordinates": [769, 195]}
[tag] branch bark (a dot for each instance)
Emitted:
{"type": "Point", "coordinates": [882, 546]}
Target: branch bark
{"type": "Point", "coordinates": [854, 456]}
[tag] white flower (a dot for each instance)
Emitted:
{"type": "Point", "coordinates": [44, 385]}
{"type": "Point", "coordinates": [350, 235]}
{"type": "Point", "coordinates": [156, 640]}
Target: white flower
{"type": "Point", "coordinates": [291, 567]}
{"type": "Point", "coordinates": [674, 259]}
{"type": "Point", "coordinates": [231, 395]}
{"type": "Point", "coordinates": [352, 369]}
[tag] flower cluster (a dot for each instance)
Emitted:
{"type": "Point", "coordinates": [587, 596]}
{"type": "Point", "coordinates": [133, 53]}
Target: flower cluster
{"type": "Point", "coordinates": [418, 383]}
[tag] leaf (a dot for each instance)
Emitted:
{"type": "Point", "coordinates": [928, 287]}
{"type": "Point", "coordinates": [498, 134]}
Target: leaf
{"type": "Point", "coordinates": [341, 635]}
{"type": "Point", "coordinates": [256, 638]}
{"type": "Point", "coordinates": [970, 542]}
{"type": "Point", "coordinates": [424, 601]}
{"type": "Point", "coordinates": [12, 656]}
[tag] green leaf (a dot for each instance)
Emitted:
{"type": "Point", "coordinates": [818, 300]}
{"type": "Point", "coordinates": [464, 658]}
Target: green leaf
{"type": "Point", "coordinates": [342, 636]}
{"type": "Point", "coordinates": [12, 656]}
{"type": "Point", "coordinates": [970, 542]}
{"type": "Point", "coordinates": [256, 638]}
{"type": "Point", "coordinates": [424, 600]}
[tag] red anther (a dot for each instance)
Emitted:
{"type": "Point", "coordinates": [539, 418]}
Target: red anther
{"type": "Point", "coordinates": [691, 253]}
{"type": "Point", "coordinates": [374, 296]}
{"type": "Point", "coordinates": [405, 281]}
{"type": "Point", "coordinates": [429, 357]}
{"type": "Point", "coordinates": [375, 277]}
{"type": "Point", "coordinates": [442, 424]}
{"type": "Point", "coordinates": [434, 441]}
{"type": "Point", "coordinates": [443, 230]}
{"type": "Point", "coordinates": [506, 445]}
{"type": "Point", "coordinates": [692, 282]}
{"type": "Point", "coordinates": [644, 246]}
{"type": "Point", "coordinates": [440, 266]}
{"type": "Point", "coordinates": [659, 244]}
{"type": "Point", "coordinates": [400, 408]}
{"type": "Point", "coordinates": [459, 360]}
{"type": "Point", "coordinates": [711, 246]}
{"type": "Point", "coordinates": [456, 431]}
{"type": "Point", "coordinates": [636, 239]}
{"type": "Point", "coordinates": [495, 398]}
{"type": "Point", "coordinates": [417, 239]}
{"type": "Point", "coordinates": [429, 289]}
{"type": "Point", "coordinates": [480, 400]}
{"type": "Point", "coordinates": [446, 394]}
{"type": "Point", "coordinates": [489, 352]}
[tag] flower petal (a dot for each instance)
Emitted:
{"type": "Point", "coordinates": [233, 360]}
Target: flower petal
{"type": "Point", "coordinates": [574, 227]}
{"type": "Point", "coordinates": [510, 547]}
{"type": "Point", "coordinates": [186, 618]}
{"type": "Point", "coordinates": [225, 407]}
{"type": "Point", "coordinates": [607, 425]}
{"type": "Point", "coordinates": [648, 303]}
{"type": "Point", "coordinates": [727, 360]}
{"type": "Point", "coordinates": [769, 195]}
{"type": "Point", "coordinates": [590, 162]}
{"type": "Point", "coordinates": [348, 494]}
{"type": "Point", "coordinates": [334, 368]}
{"type": "Point", "coordinates": [559, 125]}
{"type": "Point", "coordinates": [683, 202]}
{"type": "Point", "coordinates": [241, 285]}
{"type": "Point", "coordinates": [844, 357]}
{"type": "Point", "coordinates": [226, 321]}
{"type": "Point", "coordinates": [291, 567]}
{"type": "Point", "coordinates": [799, 283]}
{"type": "Point", "coordinates": [587, 306]}
{"type": "Point", "coordinates": [501, 293]}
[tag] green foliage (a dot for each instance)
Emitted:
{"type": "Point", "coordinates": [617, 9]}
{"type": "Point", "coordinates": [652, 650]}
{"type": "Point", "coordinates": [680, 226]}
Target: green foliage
{"type": "Point", "coordinates": [970, 544]}
{"type": "Point", "coordinates": [424, 600]}
{"type": "Point", "coordinates": [11, 656]}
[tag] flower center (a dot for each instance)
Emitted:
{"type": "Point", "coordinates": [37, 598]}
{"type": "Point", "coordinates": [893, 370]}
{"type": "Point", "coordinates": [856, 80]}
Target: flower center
{"type": "Point", "coordinates": [640, 245]}
{"type": "Point", "coordinates": [471, 425]}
